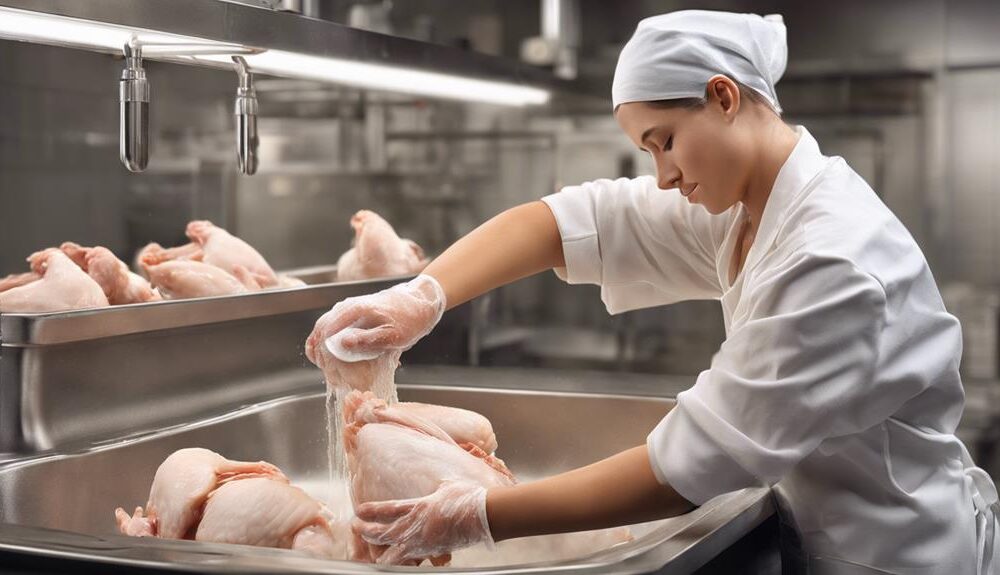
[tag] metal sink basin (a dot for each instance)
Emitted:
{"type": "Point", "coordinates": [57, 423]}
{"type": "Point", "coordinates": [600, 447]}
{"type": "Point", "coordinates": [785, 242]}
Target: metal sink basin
{"type": "Point", "coordinates": [60, 505]}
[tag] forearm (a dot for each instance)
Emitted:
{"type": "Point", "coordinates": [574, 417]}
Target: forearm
{"type": "Point", "coordinates": [619, 490]}
{"type": "Point", "coordinates": [519, 242]}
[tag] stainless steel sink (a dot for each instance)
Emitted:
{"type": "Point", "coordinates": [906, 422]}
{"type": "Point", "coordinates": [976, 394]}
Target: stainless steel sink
{"type": "Point", "coordinates": [60, 504]}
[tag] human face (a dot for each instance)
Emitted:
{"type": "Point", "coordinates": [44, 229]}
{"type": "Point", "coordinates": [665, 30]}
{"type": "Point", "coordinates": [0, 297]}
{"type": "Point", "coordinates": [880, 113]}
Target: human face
{"type": "Point", "coordinates": [699, 151]}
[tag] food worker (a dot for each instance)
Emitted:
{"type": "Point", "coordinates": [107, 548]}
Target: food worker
{"type": "Point", "coordinates": [838, 382]}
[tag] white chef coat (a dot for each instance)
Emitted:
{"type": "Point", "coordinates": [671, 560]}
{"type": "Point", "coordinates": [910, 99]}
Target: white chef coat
{"type": "Point", "coordinates": [838, 381]}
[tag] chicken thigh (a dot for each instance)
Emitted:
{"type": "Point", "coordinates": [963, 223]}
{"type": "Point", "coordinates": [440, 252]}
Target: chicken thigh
{"type": "Point", "coordinates": [378, 251]}
{"type": "Point", "coordinates": [61, 286]}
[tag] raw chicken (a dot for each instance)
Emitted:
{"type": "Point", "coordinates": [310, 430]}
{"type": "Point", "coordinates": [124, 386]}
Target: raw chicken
{"type": "Point", "coordinates": [155, 253]}
{"type": "Point", "coordinates": [462, 425]}
{"type": "Point", "coordinates": [395, 453]}
{"type": "Point", "coordinates": [378, 251]}
{"type": "Point", "coordinates": [178, 279]}
{"type": "Point", "coordinates": [392, 454]}
{"type": "Point", "coordinates": [62, 286]}
{"type": "Point", "coordinates": [289, 282]}
{"type": "Point", "coordinates": [230, 253]}
{"type": "Point", "coordinates": [267, 513]}
{"type": "Point", "coordinates": [17, 280]}
{"type": "Point", "coordinates": [120, 285]}
{"type": "Point", "coordinates": [180, 488]}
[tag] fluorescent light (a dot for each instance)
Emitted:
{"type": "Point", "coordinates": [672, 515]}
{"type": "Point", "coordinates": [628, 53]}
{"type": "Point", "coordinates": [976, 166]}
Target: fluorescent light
{"type": "Point", "coordinates": [390, 78]}
{"type": "Point", "coordinates": [72, 32]}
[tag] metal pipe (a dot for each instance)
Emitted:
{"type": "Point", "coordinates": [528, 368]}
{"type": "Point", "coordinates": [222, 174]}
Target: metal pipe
{"type": "Point", "coordinates": [246, 108]}
{"type": "Point", "coordinates": [133, 137]}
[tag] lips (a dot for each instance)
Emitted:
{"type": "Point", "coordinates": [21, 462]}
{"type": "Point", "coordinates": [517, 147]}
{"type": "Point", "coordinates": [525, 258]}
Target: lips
{"type": "Point", "coordinates": [688, 191]}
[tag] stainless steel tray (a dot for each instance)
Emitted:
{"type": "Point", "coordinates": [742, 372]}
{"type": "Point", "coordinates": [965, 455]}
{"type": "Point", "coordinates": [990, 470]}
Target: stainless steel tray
{"type": "Point", "coordinates": [322, 291]}
{"type": "Point", "coordinates": [540, 433]}
{"type": "Point", "coordinates": [96, 374]}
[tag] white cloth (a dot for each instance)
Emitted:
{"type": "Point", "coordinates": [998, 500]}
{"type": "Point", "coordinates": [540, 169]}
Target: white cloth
{"type": "Point", "coordinates": [674, 55]}
{"type": "Point", "coordinates": [838, 382]}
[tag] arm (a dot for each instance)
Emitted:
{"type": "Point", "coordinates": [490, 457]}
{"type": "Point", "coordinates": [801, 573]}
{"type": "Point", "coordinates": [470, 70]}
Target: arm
{"type": "Point", "coordinates": [519, 242]}
{"type": "Point", "coordinates": [619, 490]}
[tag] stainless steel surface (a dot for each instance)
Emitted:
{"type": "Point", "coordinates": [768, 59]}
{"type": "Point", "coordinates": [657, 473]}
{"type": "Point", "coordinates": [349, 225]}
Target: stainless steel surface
{"type": "Point", "coordinates": [133, 138]}
{"type": "Point", "coordinates": [37, 329]}
{"type": "Point", "coordinates": [249, 26]}
{"type": "Point", "coordinates": [246, 109]}
{"type": "Point", "coordinates": [97, 374]}
{"type": "Point", "coordinates": [531, 427]}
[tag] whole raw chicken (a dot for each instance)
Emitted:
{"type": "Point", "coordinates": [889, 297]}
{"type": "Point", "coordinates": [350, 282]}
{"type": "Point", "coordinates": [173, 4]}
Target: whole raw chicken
{"type": "Point", "coordinates": [198, 494]}
{"type": "Point", "coordinates": [186, 271]}
{"type": "Point", "coordinates": [61, 286]}
{"type": "Point", "coordinates": [229, 253]}
{"type": "Point", "coordinates": [177, 275]}
{"type": "Point", "coordinates": [378, 251]}
{"type": "Point", "coordinates": [395, 454]}
{"type": "Point", "coordinates": [120, 285]}
{"type": "Point", "coordinates": [402, 451]}
{"type": "Point", "coordinates": [268, 513]}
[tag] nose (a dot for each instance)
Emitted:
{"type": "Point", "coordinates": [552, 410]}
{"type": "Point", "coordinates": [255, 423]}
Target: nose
{"type": "Point", "coordinates": [667, 174]}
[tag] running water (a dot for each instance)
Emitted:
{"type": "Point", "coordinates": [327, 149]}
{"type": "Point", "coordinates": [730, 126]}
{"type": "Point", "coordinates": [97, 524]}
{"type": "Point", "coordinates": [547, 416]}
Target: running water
{"type": "Point", "coordinates": [378, 376]}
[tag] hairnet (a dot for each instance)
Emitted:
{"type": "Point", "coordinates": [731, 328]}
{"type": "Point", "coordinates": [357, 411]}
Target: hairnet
{"type": "Point", "coordinates": [674, 55]}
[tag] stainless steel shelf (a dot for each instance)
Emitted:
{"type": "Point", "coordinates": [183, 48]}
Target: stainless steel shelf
{"type": "Point", "coordinates": [231, 23]}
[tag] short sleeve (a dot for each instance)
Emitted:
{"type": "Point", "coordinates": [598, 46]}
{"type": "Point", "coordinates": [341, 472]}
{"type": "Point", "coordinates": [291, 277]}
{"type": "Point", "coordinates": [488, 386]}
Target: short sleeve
{"type": "Point", "coordinates": [643, 246]}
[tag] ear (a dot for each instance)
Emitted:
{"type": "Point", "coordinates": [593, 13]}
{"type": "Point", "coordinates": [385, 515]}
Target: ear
{"type": "Point", "coordinates": [724, 95]}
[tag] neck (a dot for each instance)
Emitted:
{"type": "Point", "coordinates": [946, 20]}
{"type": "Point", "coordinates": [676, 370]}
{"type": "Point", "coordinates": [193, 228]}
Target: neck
{"type": "Point", "coordinates": [776, 142]}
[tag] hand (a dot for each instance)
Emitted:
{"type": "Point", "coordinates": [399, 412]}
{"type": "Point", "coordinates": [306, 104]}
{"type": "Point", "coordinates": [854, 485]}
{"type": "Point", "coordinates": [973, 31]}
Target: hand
{"type": "Point", "coordinates": [452, 517]}
{"type": "Point", "coordinates": [365, 327]}
{"type": "Point", "coordinates": [357, 344]}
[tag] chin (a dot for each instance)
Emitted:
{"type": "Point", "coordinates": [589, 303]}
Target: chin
{"type": "Point", "coordinates": [715, 210]}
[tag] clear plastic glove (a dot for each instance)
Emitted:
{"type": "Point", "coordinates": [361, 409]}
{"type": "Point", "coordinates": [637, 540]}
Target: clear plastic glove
{"type": "Point", "coordinates": [377, 326]}
{"type": "Point", "coordinates": [452, 517]}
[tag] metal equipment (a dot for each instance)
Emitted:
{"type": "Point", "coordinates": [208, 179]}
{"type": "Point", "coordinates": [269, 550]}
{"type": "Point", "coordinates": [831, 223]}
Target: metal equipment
{"type": "Point", "coordinates": [540, 432]}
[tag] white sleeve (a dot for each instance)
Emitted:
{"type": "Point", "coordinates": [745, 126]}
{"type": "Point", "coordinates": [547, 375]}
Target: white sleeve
{"type": "Point", "coordinates": [643, 246]}
{"type": "Point", "coordinates": [800, 370]}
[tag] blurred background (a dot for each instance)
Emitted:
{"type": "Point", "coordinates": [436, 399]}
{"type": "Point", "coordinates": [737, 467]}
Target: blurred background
{"type": "Point", "coordinates": [908, 91]}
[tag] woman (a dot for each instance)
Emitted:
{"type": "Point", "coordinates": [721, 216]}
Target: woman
{"type": "Point", "coordinates": [838, 381]}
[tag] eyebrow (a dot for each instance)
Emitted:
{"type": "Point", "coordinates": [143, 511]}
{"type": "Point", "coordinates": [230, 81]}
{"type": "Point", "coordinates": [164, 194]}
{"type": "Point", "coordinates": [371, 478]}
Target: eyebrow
{"type": "Point", "coordinates": [642, 139]}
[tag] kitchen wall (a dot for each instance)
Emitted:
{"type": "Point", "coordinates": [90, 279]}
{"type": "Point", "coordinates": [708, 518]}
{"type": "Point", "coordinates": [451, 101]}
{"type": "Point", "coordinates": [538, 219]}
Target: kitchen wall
{"type": "Point", "coordinates": [907, 91]}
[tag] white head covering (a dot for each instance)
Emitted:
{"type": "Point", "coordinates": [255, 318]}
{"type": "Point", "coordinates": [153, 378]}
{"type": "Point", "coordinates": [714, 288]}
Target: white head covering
{"type": "Point", "coordinates": [674, 55]}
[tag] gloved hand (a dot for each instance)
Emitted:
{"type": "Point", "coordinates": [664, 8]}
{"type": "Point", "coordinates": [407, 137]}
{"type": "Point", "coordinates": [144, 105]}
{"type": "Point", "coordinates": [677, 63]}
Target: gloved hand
{"type": "Point", "coordinates": [374, 326]}
{"type": "Point", "coordinates": [452, 517]}
{"type": "Point", "coordinates": [365, 327]}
